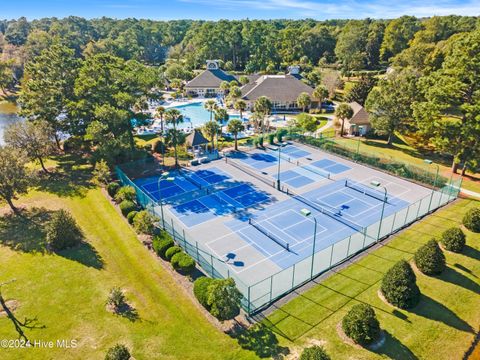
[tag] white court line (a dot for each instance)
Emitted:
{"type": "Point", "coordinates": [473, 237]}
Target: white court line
{"type": "Point", "coordinates": [387, 181]}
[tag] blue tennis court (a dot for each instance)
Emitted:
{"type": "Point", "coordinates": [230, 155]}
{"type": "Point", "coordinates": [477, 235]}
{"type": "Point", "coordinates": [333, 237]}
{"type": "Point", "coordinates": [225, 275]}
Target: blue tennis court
{"type": "Point", "coordinates": [294, 152]}
{"type": "Point", "coordinates": [331, 166]}
{"type": "Point", "coordinates": [340, 211]}
{"type": "Point", "coordinates": [303, 175]}
{"type": "Point", "coordinates": [262, 160]}
{"type": "Point", "coordinates": [221, 203]}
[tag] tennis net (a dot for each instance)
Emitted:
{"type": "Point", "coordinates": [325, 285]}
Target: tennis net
{"type": "Point", "coordinates": [267, 233]}
{"type": "Point", "coordinates": [249, 172]}
{"type": "Point", "coordinates": [366, 191]}
{"type": "Point", "coordinates": [194, 182]}
{"type": "Point", "coordinates": [334, 214]}
{"type": "Point", "coordinates": [315, 170]}
{"type": "Point", "coordinates": [282, 155]}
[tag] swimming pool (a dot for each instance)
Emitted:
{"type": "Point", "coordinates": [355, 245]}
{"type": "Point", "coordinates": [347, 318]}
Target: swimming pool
{"type": "Point", "coordinates": [196, 114]}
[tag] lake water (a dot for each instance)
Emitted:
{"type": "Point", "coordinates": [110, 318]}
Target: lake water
{"type": "Point", "coordinates": [8, 115]}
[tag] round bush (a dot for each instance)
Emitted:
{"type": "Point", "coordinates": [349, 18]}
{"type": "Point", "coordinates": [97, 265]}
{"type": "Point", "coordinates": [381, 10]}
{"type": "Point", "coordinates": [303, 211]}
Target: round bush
{"type": "Point", "coordinates": [430, 259]}
{"type": "Point", "coordinates": [399, 286]}
{"type": "Point", "coordinates": [172, 251]}
{"type": "Point", "coordinates": [144, 222]}
{"type": "Point", "coordinates": [361, 325]}
{"type": "Point", "coordinates": [158, 147]}
{"type": "Point", "coordinates": [112, 189]}
{"type": "Point", "coordinates": [62, 231]}
{"type": "Point", "coordinates": [471, 220]}
{"type": "Point", "coordinates": [271, 139]}
{"type": "Point", "coordinates": [118, 352]}
{"type": "Point", "coordinates": [453, 239]}
{"type": "Point", "coordinates": [126, 207]}
{"type": "Point", "coordinates": [183, 263]}
{"type": "Point", "coordinates": [314, 353]}
{"type": "Point", "coordinates": [131, 215]}
{"type": "Point", "coordinates": [200, 290]}
{"type": "Point", "coordinates": [161, 244]}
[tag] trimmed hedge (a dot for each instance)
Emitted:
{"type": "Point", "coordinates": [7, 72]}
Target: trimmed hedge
{"type": "Point", "coordinates": [112, 189]}
{"type": "Point", "coordinates": [430, 259]}
{"type": "Point", "coordinates": [200, 290]}
{"type": "Point", "coordinates": [361, 324]}
{"type": "Point", "coordinates": [271, 139]}
{"type": "Point", "coordinates": [453, 239]}
{"type": "Point", "coordinates": [131, 215]}
{"type": "Point", "coordinates": [183, 263]}
{"type": "Point", "coordinates": [127, 206]}
{"type": "Point", "coordinates": [314, 353]}
{"type": "Point", "coordinates": [172, 251]}
{"type": "Point", "coordinates": [161, 243]}
{"type": "Point", "coordinates": [125, 193]}
{"type": "Point", "coordinates": [471, 220]}
{"type": "Point", "coordinates": [399, 286]}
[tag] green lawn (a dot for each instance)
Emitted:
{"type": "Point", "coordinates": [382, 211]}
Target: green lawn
{"type": "Point", "coordinates": [401, 151]}
{"type": "Point", "coordinates": [66, 293]}
{"type": "Point", "coordinates": [442, 326]}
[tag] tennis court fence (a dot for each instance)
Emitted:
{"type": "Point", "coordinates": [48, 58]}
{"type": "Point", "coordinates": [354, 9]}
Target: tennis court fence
{"type": "Point", "coordinates": [258, 294]}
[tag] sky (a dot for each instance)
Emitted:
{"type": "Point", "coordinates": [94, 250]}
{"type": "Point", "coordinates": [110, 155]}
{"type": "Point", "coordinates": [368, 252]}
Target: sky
{"type": "Point", "coordinates": [236, 9]}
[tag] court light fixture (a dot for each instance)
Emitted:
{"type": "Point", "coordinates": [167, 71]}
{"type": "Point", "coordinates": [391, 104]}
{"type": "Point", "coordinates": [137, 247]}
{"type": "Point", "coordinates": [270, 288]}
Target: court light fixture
{"type": "Point", "coordinates": [375, 183]}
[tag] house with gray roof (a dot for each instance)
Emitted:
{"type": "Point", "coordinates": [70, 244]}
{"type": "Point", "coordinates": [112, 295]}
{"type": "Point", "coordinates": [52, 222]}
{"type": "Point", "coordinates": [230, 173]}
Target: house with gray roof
{"type": "Point", "coordinates": [207, 83]}
{"type": "Point", "coordinates": [359, 124]}
{"type": "Point", "coordinates": [282, 90]}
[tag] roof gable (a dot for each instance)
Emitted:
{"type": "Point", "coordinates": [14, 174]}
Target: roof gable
{"type": "Point", "coordinates": [360, 115]}
{"type": "Point", "coordinates": [282, 88]}
{"type": "Point", "coordinates": [210, 79]}
{"type": "Point", "coordinates": [196, 138]}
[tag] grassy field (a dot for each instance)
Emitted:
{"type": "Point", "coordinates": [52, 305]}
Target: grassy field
{"type": "Point", "coordinates": [442, 326]}
{"type": "Point", "coordinates": [62, 296]}
{"type": "Point", "coordinates": [401, 151]}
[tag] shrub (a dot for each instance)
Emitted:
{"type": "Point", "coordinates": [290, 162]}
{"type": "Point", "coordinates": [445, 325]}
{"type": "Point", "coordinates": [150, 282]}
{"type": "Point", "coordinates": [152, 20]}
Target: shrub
{"type": "Point", "coordinates": [143, 222]}
{"type": "Point", "coordinates": [161, 243]}
{"type": "Point", "coordinates": [281, 133]}
{"type": "Point", "coordinates": [453, 239]}
{"type": "Point", "coordinates": [112, 189]}
{"type": "Point", "coordinates": [131, 215]}
{"type": "Point", "coordinates": [183, 263]}
{"type": "Point", "coordinates": [172, 251]}
{"type": "Point", "coordinates": [271, 139]}
{"type": "Point", "coordinates": [126, 207]}
{"type": "Point", "coordinates": [224, 299]}
{"type": "Point", "coordinates": [62, 231]}
{"type": "Point", "coordinates": [399, 286]}
{"type": "Point", "coordinates": [314, 353]}
{"type": "Point", "coordinates": [158, 147]}
{"type": "Point", "coordinates": [471, 220]}
{"type": "Point", "coordinates": [125, 193]}
{"type": "Point", "coordinates": [259, 141]}
{"type": "Point", "coordinates": [118, 352]}
{"type": "Point", "coordinates": [116, 298]}
{"type": "Point", "coordinates": [361, 325]}
{"type": "Point", "coordinates": [102, 173]}
{"type": "Point", "coordinates": [430, 259]}
{"type": "Point", "coordinates": [200, 290]}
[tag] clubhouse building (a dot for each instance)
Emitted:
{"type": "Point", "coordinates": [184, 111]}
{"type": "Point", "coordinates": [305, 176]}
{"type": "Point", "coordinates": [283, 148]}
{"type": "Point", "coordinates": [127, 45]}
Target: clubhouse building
{"type": "Point", "coordinates": [282, 90]}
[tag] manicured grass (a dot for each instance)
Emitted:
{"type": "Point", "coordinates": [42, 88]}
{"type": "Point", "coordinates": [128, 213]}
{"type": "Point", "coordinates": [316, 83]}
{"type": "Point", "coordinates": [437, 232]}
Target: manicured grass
{"type": "Point", "coordinates": [401, 151]}
{"type": "Point", "coordinates": [442, 326]}
{"type": "Point", "coordinates": [66, 292]}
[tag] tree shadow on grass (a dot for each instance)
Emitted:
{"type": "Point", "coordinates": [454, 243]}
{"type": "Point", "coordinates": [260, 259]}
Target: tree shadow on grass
{"type": "Point", "coordinates": [259, 339]}
{"type": "Point", "coordinates": [394, 349]}
{"type": "Point", "coordinates": [25, 232]}
{"type": "Point", "coordinates": [471, 252]}
{"type": "Point", "coordinates": [73, 177]}
{"type": "Point", "coordinates": [433, 310]}
{"type": "Point", "coordinates": [85, 254]}
{"type": "Point", "coordinates": [452, 276]}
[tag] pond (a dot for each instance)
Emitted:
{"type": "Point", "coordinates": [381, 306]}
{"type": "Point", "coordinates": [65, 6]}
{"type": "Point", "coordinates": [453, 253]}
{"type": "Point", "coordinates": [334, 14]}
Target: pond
{"type": "Point", "coordinates": [8, 115]}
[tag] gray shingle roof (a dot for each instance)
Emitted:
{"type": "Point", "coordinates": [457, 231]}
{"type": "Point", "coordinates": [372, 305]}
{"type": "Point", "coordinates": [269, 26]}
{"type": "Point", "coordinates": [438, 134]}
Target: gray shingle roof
{"type": "Point", "coordinates": [282, 88]}
{"type": "Point", "coordinates": [210, 79]}
{"type": "Point", "coordinates": [196, 138]}
{"type": "Point", "coordinates": [360, 115]}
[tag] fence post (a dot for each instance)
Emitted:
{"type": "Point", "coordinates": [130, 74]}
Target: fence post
{"type": "Point", "coordinates": [248, 300]}
{"type": "Point", "coordinates": [393, 222]}
{"type": "Point", "coordinates": [173, 231]}
{"type": "Point", "coordinates": [211, 264]}
{"type": "Point", "coordinates": [331, 256]}
{"type": "Point", "coordinates": [348, 247]}
{"type": "Point", "coordinates": [271, 287]}
{"type": "Point", "coordinates": [293, 275]}
{"type": "Point", "coordinates": [198, 255]}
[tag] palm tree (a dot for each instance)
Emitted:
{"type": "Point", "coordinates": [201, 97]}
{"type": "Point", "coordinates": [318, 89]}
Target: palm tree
{"type": "Point", "coordinates": [320, 93]}
{"type": "Point", "coordinates": [241, 106]}
{"type": "Point", "coordinates": [174, 117]}
{"type": "Point", "coordinates": [210, 129]}
{"type": "Point", "coordinates": [303, 100]}
{"type": "Point", "coordinates": [343, 111]}
{"type": "Point", "coordinates": [160, 111]}
{"type": "Point", "coordinates": [235, 126]}
{"type": "Point", "coordinates": [263, 107]}
{"type": "Point", "coordinates": [210, 105]}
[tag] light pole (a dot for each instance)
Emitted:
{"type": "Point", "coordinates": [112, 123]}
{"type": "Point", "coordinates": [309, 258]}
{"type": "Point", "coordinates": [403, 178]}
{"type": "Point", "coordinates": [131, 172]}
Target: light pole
{"type": "Point", "coordinates": [430, 162]}
{"type": "Point", "coordinates": [378, 184]}
{"type": "Point", "coordinates": [307, 214]}
{"type": "Point", "coordinates": [278, 170]}
{"type": "Point", "coordinates": [164, 176]}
